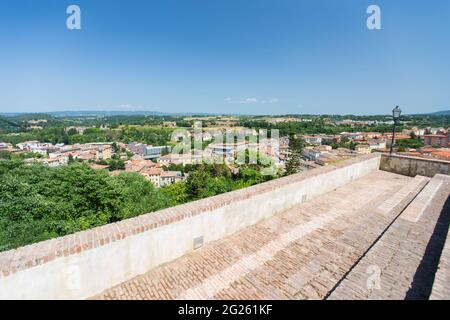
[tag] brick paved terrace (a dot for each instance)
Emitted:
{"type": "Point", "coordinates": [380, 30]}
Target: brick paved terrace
{"type": "Point", "coordinates": [305, 252]}
{"type": "Point", "coordinates": [349, 231]}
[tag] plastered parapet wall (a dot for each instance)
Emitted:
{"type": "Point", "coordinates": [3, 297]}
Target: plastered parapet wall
{"type": "Point", "coordinates": [412, 166]}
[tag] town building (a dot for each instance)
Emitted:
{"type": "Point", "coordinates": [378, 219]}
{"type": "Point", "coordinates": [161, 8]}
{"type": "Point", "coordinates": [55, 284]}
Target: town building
{"type": "Point", "coordinates": [169, 177]}
{"type": "Point", "coordinates": [6, 147]}
{"type": "Point", "coordinates": [372, 135]}
{"type": "Point", "coordinates": [311, 154]}
{"type": "Point", "coordinates": [183, 159]}
{"type": "Point", "coordinates": [153, 175]}
{"type": "Point", "coordinates": [377, 144]}
{"type": "Point", "coordinates": [330, 139]}
{"type": "Point", "coordinates": [137, 148]}
{"type": "Point", "coordinates": [353, 135]}
{"type": "Point", "coordinates": [226, 150]}
{"type": "Point", "coordinates": [315, 140]}
{"type": "Point", "coordinates": [79, 130]}
{"type": "Point", "coordinates": [169, 124]}
{"type": "Point", "coordinates": [363, 149]}
{"type": "Point", "coordinates": [153, 152]}
{"type": "Point", "coordinates": [436, 140]}
{"type": "Point", "coordinates": [35, 147]}
{"type": "Point", "coordinates": [148, 151]}
{"type": "Point", "coordinates": [56, 161]}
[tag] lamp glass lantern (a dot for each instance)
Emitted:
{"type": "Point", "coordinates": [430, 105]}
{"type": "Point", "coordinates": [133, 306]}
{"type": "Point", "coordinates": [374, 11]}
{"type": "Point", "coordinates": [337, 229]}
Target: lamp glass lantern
{"type": "Point", "coordinates": [396, 113]}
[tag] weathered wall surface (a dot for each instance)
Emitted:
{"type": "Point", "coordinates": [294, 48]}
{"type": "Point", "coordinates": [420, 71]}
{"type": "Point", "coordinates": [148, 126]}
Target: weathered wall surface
{"type": "Point", "coordinates": [411, 166]}
{"type": "Point", "coordinates": [86, 263]}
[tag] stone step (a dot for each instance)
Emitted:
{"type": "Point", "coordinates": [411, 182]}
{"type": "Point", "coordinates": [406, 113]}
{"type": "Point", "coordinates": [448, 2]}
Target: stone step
{"type": "Point", "coordinates": [441, 284]}
{"type": "Point", "coordinates": [416, 209]}
{"type": "Point", "coordinates": [402, 262]}
{"type": "Point", "coordinates": [405, 193]}
{"type": "Point", "coordinates": [367, 223]}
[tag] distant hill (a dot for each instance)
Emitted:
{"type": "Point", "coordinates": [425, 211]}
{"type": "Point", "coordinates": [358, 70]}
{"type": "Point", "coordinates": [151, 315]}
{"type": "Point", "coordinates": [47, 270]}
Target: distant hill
{"type": "Point", "coordinates": [445, 113]}
{"type": "Point", "coordinates": [95, 113]}
{"type": "Point", "coordinates": [26, 116]}
{"type": "Point", "coordinates": [6, 123]}
{"type": "Point", "coordinates": [440, 113]}
{"type": "Point", "coordinates": [99, 113]}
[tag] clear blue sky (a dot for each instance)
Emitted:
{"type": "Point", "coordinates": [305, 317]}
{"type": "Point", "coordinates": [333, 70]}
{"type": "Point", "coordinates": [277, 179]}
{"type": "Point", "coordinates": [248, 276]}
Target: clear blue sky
{"type": "Point", "coordinates": [225, 56]}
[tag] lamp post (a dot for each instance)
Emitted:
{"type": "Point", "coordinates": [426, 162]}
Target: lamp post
{"type": "Point", "coordinates": [396, 116]}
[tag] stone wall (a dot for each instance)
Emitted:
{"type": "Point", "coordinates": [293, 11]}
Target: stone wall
{"type": "Point", "coordinates": [86, 263]}
{"type": "Point", "coordinates": [412, 166]}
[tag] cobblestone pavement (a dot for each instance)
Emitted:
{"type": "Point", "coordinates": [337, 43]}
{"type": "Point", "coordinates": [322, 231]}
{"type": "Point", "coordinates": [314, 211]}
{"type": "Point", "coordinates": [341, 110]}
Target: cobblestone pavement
{"type": "Point", "coordinates": [301, 253]}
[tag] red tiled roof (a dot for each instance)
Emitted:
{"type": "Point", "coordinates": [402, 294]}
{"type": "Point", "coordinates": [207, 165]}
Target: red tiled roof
{"type": "Point", "coordinates": [153, 171]}
{"type": "Point", "coordinates": [428, 150]}
{"type": "Point", "coordinates": [442, 153]}
{"type": "Point", "coordinates": [435, 135]}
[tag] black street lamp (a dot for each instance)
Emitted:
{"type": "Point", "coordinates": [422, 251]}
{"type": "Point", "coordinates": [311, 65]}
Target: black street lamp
{"type": "Point", "coordinates": [396, 116]}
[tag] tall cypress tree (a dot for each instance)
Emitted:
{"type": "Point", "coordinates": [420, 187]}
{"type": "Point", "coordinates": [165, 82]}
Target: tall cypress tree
{"type": "Point", "coordinates": [295, 153]}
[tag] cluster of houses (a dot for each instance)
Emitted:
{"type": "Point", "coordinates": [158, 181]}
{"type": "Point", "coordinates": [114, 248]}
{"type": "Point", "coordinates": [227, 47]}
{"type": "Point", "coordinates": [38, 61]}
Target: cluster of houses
{"type": "Point", "coordinates": [59, 154]}
{"type": "Point", "coordinates": [436, 144]}
{"type": "Point", "coordinates": [435, 140]}
{"type": "Point", "coordinates": [429, 152]}
{"type": "Point", "coordinates": [223, 152]}
{"type": "Point", "coordinates": [55, 155]}
{"type": "Point", "coordinates": [150, 161]}
{"type": "Point", "coordinates": [318, 149]}
{"type": "Point", "coordinates": [358, 123]}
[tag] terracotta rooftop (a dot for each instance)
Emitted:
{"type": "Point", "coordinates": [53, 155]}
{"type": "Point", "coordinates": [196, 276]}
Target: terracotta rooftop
{"type": "Point", "coordinates": [435, 135]}
{"type": "Point", "coordinates": [153, 171]}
